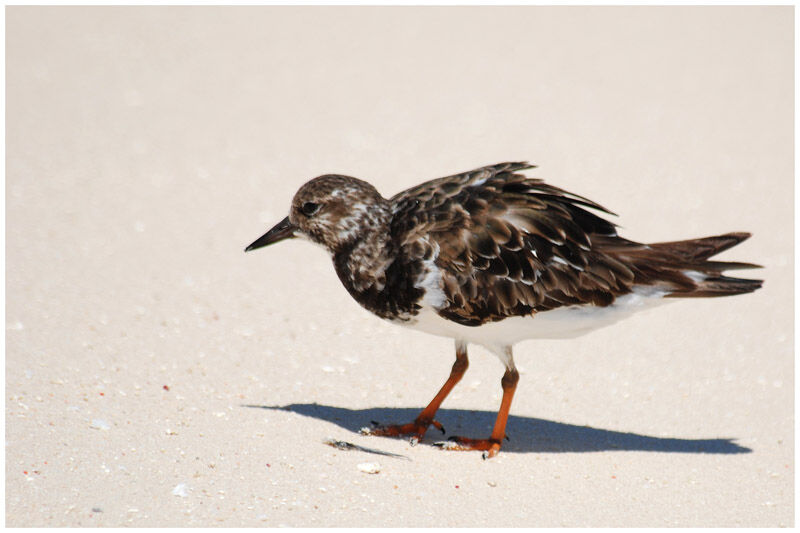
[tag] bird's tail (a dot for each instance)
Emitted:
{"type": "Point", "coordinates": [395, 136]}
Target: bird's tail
{"type": "Point", "coordinates": [686, 267]}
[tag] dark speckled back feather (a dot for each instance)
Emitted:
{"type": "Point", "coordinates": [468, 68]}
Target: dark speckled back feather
{"type": "Point", "coordinates": [510, 245]}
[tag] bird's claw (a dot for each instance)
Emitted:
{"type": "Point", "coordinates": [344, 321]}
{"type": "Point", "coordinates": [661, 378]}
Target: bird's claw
{"type": "Point", "coordinates": [416, 429]}
{"type": "Point", "coordinates": [446, 444]}
{"type": "Point", "coordinates": [489, 447]}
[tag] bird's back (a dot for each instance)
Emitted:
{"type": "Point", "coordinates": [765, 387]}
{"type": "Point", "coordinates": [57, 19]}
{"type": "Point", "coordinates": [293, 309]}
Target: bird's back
{"type": "Point", "coordinates": [497, 244]}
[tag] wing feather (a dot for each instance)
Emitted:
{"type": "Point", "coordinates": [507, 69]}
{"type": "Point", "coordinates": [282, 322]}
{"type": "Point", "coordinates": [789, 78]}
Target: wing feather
{"type": "Point", "coordinates": [509, 245]}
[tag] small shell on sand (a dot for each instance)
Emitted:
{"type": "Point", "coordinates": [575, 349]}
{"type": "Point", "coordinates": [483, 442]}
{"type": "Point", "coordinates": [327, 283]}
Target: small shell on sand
{"type": "Point", "coordinates": [369, 468]}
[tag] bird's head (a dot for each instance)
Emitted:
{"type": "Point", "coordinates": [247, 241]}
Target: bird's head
{"type": "Point", "coordinates": [330, 210]}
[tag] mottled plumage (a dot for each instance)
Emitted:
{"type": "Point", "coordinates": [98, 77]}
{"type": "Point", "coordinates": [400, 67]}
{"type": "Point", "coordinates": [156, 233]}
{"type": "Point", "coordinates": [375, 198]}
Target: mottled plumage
{"type": "Point", "coordinates": [492, 256]}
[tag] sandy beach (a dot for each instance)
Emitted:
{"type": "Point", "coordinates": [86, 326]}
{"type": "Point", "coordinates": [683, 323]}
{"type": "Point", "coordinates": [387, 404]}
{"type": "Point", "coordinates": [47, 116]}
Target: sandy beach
{"type": "Point", "coordinates": [156, 375]}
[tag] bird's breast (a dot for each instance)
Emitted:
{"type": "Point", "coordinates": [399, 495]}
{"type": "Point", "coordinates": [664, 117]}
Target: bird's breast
{"type": "Point", "coordinates": [384, 284]}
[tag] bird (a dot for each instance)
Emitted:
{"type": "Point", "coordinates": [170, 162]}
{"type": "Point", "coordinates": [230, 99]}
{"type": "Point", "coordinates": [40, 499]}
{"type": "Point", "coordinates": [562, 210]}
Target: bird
{"type": "Point", "coordinates": [493, 257]}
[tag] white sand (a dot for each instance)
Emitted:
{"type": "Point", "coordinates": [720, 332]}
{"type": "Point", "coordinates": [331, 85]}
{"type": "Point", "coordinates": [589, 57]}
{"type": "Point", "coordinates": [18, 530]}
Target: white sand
{"type": "Point", "coordinates": [146, 147]}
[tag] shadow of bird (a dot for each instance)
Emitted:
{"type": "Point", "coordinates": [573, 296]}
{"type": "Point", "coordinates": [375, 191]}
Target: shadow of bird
{"type": "Point", "coordinates": [526, 434]}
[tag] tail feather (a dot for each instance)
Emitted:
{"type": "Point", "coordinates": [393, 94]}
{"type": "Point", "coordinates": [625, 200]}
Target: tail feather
{"type": "Point", "coordinates": [694, 250]}
{"type": "Point", "coordinates": [685, 268]}
{"type": "Point", "coordinates": [719, 286]}
{"type": "Point", "coordinates": [720, 266]}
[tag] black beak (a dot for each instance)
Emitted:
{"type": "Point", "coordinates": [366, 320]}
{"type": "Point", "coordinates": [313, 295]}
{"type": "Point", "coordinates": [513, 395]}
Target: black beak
{"type": "Point", "coordinates": [282, 230]}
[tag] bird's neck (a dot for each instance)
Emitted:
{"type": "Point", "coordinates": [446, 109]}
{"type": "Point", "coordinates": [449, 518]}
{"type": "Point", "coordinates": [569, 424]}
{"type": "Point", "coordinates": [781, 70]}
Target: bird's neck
{"type": "Point", "coordinates": [361, 262]}
{"type": "Point", "coordinates": [374, 274]}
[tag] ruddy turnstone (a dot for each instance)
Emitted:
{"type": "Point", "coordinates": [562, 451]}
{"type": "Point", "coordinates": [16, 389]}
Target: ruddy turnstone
{"type": "Point", "coordinates": [493, 257]}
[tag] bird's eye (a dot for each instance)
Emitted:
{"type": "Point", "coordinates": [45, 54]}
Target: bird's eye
{"type": "Point", "coordinates": [310, 208]}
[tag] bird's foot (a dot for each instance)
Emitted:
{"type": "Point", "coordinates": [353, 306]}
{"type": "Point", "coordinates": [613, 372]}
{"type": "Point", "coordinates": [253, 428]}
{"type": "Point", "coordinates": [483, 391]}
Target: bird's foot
{"type": "Point", "coordinates": [489, 447]}
{"type": "Point", "coordinates": [416, 429]}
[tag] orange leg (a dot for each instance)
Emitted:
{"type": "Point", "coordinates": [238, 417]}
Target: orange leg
{"type": "Point", "coordinates": [419, 426]}
{"type": "Point", "coordinates": [491, 445]}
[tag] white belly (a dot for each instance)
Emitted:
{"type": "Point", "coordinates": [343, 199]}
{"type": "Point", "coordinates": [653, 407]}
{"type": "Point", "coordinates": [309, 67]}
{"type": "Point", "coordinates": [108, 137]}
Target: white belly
{"type": "Point", "coordinates": [560, 323]}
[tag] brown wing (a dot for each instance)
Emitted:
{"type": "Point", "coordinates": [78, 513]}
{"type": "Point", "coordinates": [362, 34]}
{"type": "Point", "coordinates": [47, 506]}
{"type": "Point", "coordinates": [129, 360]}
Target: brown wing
{"type": "Point", "coordinates": [509, 245]}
